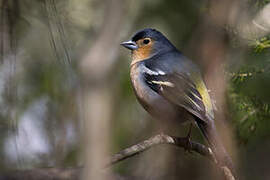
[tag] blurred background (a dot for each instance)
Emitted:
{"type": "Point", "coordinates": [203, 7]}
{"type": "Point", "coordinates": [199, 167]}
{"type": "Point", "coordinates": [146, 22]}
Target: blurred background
{"type": "Point", "coordinates": [66, 99]}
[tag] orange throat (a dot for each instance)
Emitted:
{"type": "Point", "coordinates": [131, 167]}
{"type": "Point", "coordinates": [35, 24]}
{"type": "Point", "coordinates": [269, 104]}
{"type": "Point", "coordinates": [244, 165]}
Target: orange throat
{"type": "Point", "coordinates": [141, 54]}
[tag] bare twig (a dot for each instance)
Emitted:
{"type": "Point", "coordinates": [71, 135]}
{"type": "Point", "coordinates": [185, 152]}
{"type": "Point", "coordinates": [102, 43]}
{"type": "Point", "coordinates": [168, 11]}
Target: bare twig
{"type": "Point", "coordinates": [74, 173]}
{"type": "Point", "coordinates": [157, 140]}
{"type": "Point", "coordinates": [166, 139]}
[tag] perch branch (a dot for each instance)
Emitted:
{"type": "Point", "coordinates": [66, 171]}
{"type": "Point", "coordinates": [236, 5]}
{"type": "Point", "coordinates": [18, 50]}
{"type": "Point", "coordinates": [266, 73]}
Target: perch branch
{"type": "Point", "coordinates": [74, 173]}
{"type": "Point", "coordinates": [171, 140]}
{"type": "Point", "coordinates": [157, 140]}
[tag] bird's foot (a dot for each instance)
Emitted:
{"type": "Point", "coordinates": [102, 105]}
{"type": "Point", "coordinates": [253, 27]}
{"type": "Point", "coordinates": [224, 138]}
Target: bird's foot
{"type": "Point", "coordinates": [188, 146]}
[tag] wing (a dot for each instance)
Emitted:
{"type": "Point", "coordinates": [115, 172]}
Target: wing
{"type": "Point", "coordinates": [183, 88]}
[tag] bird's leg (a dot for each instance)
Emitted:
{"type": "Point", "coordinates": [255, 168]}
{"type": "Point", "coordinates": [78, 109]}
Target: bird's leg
{"type": "Point", "coordinates": [188, 142]}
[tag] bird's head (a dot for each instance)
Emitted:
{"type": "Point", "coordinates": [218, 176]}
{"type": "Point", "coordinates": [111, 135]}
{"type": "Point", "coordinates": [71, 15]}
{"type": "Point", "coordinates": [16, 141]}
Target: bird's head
{"type": "Point", "coordinates": [147, 43]}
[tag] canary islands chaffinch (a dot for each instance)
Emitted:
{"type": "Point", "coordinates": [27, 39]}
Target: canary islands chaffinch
{"type": "Point", "coordinates": [170, 86]}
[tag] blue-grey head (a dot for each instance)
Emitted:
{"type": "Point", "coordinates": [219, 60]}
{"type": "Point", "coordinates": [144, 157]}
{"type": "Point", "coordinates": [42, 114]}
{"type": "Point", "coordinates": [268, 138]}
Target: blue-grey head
{"type": "Point", "coordinates": [146, 43]}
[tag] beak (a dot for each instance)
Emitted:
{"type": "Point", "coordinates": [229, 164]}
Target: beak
{"type": "Point", "coordinates": [130, 45]}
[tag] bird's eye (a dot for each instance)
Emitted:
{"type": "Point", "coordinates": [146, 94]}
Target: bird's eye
{"type": "Point", "coordinates": [146, 41]}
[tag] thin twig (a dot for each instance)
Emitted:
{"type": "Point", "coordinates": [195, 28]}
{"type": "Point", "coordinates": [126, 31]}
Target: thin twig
{"type": "Point", "coordinates": [67, 173]}
{"type": "Point", "coordinates": [157, 140]}
{"type": "Point", "coordinates": [166, 139]}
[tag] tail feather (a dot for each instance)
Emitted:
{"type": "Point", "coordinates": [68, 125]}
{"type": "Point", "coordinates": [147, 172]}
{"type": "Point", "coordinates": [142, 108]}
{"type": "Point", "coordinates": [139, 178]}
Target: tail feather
{"type": "Point", "coordinates": [210, 133]}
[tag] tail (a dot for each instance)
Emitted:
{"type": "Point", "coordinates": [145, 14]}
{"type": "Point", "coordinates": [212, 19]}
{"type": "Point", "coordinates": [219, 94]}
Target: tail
{"type": "Point", "coordinates": [210, 133]}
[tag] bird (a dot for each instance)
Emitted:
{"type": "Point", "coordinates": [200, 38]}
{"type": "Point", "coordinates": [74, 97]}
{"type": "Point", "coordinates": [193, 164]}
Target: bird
{"type": "Point", "coordinates": [170, 87]}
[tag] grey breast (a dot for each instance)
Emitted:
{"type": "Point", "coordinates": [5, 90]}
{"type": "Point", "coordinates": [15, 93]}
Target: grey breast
{"type": "Point", "coordinates": [152, 102]}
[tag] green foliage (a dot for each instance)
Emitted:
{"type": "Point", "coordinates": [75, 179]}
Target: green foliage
{"type": "Point", "coordinates": [262, 44]}
{"type": "Point", "coordinates": [248, 93]}
{"type": "Point", "coordinates": [244, 75]}
{"type": "Point", "coordinates": [251, 115]}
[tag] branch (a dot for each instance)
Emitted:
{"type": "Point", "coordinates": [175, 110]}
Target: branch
{"type": "Point", "coordinates": [157, 140]}
{"type": "Point", "coordinates": [166, 139]}
{"type": "Point", "coordinates": [74, 173]}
